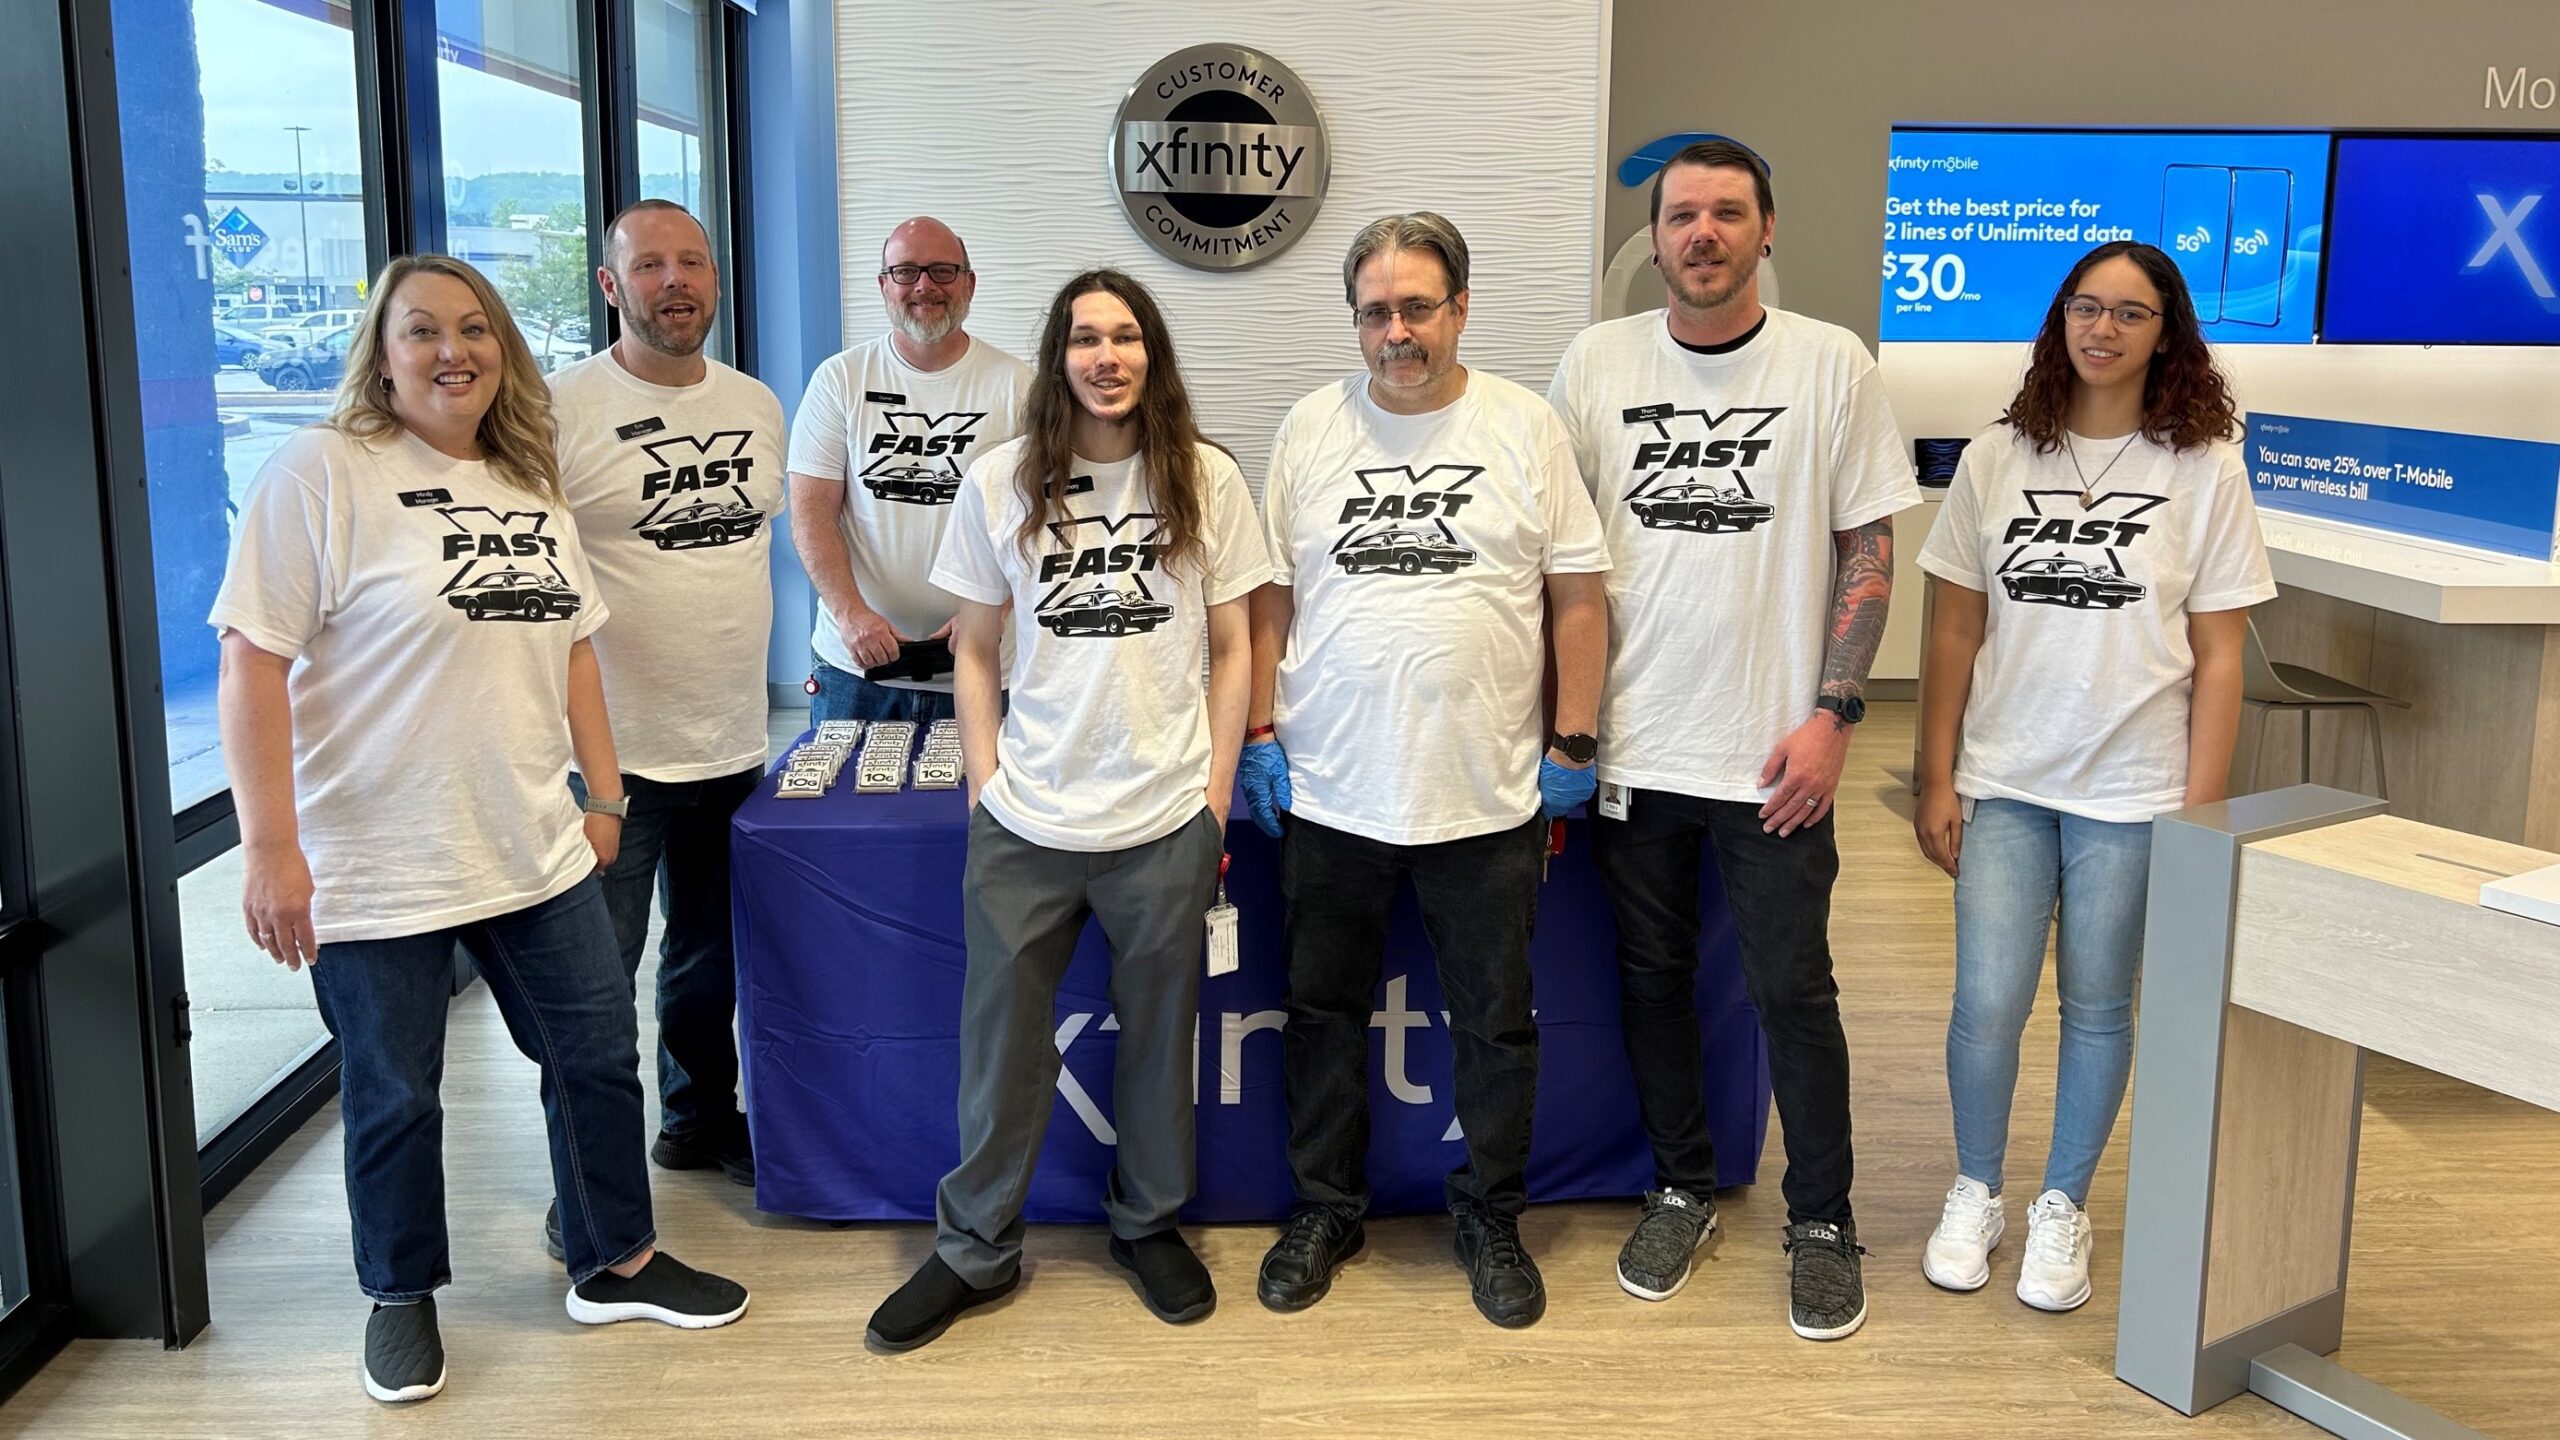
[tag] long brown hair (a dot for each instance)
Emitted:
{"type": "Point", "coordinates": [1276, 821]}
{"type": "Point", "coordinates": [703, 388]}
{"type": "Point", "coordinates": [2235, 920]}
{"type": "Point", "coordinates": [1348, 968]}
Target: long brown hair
{"type": "Point", "coordinates": [1169, 439]}
{"type": "Point", "coordinates": [2186, 403]}
{"type": "Point", "coordinates": [517, 435]}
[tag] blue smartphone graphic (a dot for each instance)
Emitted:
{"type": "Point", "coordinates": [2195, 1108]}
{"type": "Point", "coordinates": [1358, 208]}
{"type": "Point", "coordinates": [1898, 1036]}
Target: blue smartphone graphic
{"type": "Point", "coordinates": [2261, 223]}
{"type": "Point", "coordinates": [2195, 228]}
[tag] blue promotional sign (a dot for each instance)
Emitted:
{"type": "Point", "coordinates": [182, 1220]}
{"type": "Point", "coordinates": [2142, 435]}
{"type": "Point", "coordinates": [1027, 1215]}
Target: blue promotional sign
{"type": "Point", "coordinates": [238, 237]}
{"type": "Point", "coordinates": [2445, 241]}
{"type": "Point", "coordinates": [2477, 490]}
{"type": "Point", "coordinates": [1981, 226]}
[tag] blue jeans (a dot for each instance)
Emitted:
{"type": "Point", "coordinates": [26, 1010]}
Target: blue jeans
{"type": "Point", "coordinates": [675, 843]}
{"type": "Point", "coordinates": [560, 988]}
{"type": "Point", "coordinates": [2017, 860]}
{"type": "Point", "coordinates": [843, 695]}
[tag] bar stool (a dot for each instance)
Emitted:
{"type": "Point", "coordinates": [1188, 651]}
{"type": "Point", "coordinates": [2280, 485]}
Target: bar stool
{"type": "Point", "coordinates": [2270, 686]}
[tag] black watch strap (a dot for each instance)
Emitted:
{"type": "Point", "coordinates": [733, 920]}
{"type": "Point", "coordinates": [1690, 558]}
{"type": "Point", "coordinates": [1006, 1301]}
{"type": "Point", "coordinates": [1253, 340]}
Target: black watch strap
{"type": "Point", "coordinates": [1580, 749]}
{"type": "Point", "coordinates": [1850, 708]}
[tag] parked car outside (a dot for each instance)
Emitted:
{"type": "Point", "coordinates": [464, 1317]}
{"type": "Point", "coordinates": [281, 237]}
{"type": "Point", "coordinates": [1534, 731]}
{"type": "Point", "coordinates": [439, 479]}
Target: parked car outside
{"type": "Point", "coordinates": [233, 345]}
{"type": "Point", "coordinates": [316, 366]}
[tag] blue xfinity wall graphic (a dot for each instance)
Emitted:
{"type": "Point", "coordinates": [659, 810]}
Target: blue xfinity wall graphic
{"type": "Point", "coordinates": [1981, 226]}
{"type": "Point", "coordinates": [2446, 241]}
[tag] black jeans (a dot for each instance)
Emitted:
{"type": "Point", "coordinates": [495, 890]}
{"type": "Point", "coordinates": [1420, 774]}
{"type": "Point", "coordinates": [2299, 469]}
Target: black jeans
{"type": "Point", "coordinates": [676, 842]}
{"type": "Point", "coordinates": [1479, 898]}
{"type": "Point", "coordinates": [1779, 892]}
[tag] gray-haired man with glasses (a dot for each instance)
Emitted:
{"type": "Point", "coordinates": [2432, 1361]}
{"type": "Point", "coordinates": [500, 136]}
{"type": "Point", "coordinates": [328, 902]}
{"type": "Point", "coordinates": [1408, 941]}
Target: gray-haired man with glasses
{"type": "Point", "coordinates": [883, 435]}
{"type": "Point", "coordinates": [1424, 521]}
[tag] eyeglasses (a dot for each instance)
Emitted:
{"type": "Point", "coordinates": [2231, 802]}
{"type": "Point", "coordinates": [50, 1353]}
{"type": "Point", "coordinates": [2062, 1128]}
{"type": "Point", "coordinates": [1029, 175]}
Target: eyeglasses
{"type": "Point", "coordinates": [943, 273]}
{"type": "Point", "coordinates": [2085, 311]}
{"type": "Point", "coordinates": [1375, 317]}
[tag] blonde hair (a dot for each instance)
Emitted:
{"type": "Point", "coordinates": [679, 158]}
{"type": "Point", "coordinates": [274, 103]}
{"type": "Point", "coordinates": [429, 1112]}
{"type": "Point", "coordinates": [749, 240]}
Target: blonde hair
{"type": "Point", "coordinates": [517, 435]}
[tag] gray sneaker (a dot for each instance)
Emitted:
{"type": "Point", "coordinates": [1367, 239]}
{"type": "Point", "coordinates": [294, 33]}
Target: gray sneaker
{"type": "Point", "coordinates": [1654, 1263]}
{"type": "Point", "coordinates": [1826, 1293]}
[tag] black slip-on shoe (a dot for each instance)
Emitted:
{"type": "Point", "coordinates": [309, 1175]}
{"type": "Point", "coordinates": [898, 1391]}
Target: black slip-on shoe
{"type": "Point", "coordinates": [403, 1353]}
{"type": "Point", "coordinates": [727, 1147]}
{"type": "Point", "coordinates": [917, 1312]}
{"type": "Point", "coordinates": [1171, 1279]}
{"type": "Point", "coordinates": [666, 1290]}
{"type": "Point", "coordinates": [552, 1244]}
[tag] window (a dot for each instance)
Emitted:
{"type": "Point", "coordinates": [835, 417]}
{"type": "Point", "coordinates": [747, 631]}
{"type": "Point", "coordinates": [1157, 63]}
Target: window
{"type": "Point", "coordinates": [244, 191]}
{"type": "Point", "coordinates": [676, 47]}
{"type": "Point", "coordinates": [515, 161]}
{"type": "Point", "coordinates": [245, 204]}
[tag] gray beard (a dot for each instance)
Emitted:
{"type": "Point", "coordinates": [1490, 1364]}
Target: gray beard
{"type": "Point", "coordinates": [923, 333]}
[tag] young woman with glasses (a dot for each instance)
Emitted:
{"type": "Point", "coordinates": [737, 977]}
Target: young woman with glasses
{"type": "Point", "coordinates": [2093, 568]}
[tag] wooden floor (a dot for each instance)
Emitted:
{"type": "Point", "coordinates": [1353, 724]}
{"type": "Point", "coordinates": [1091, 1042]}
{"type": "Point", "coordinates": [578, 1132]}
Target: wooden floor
{"type": "Point", "coordinates": [2456, 1302]}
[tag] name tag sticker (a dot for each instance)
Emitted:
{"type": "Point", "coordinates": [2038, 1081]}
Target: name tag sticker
{"type": "Point", "coordinates": [883, 397]}
{"type": "Point", "coordinates": [1076, 485]}
{"type": "Point", "coordinates": [638, 428]}
{"type": "Point", "coordinates": [416, 498]}
{"type": "Point", "coordinates": [1638, 414]}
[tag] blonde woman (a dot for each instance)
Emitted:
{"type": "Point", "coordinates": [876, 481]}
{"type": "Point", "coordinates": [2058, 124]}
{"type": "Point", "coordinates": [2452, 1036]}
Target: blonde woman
{"type": "Point", "coordinates": [405, 675]}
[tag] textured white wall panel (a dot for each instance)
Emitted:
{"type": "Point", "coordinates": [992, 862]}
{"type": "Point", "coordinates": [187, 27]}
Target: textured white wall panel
{"type": "Point", "coordinates": [994, 115]}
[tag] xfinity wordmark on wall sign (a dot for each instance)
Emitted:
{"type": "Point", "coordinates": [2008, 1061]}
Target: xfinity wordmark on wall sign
{"type": "Point", "coordinates": [1219, 157]}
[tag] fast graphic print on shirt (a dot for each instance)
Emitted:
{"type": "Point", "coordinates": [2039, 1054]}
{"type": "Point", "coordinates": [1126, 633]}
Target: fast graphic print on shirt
{"type": "Point", "coordinates": [918, 459]}
{"type": "Point", "coordinates": [696, 493]}
{"type": "Point", "coordinates": [1692, 468]}
{"type": "Point", "coordinates": [1404, 525]}
{"type": "Point", "coordinates": [1096, 580]}
{"type": "Point", "coordinates": [2071, 552]}
{"type": "Point", "coordinates": [506, 567]}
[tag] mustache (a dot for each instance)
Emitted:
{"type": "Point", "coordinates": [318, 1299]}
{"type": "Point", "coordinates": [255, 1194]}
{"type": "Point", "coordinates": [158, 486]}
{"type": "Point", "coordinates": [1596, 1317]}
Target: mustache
{"type": "Point", "coordinates": [1402, 350]}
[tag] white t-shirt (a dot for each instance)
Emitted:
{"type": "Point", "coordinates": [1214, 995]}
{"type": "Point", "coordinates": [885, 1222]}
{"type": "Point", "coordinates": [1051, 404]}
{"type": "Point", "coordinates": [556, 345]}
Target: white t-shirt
{"type": "Point", "coordinates": [899, 438]}
{"type": "Point", "coordinates": [1721, 480]}
{"type": "Point", "coordinates": [1106, 742]}
{"type": "Point", "coordinates": [2080, 692]}
{"type": "Point", "coordinates": [1417, 548]}
{"type": "Point", "coordinates": [677, 491]}
{"type": "Point", "coordinates": [429, 609]}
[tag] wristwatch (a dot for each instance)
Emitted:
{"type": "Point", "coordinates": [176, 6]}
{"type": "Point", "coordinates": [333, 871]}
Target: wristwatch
{"type": "Point", "coordinates": [1850, 708]}
{"type": "Point", "coordinates": [1580, 749]}
{"type": "Point", "coordinates": [618, 809]}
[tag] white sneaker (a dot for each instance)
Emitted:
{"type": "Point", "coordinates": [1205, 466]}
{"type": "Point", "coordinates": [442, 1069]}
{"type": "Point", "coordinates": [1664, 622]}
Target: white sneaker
{"type": "Point", "coordinates": [1958, 1256]}
{"type": "Point", "coordinates": [2056, 1273]}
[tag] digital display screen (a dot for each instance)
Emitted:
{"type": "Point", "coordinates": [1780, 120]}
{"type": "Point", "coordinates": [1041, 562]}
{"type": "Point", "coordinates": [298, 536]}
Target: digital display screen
{"type": "Point", "coordinates": [1981, 226]}
{"type": "Point", "coordinates": [2444, 241]}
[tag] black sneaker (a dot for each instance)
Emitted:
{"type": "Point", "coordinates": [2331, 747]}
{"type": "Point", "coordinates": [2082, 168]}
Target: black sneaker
{"type": "Point", "coordinates": [403, 1353]}
{"type": "Point", "coordinates": [1826, 1293]}
{"type": "Point", "coordinates": [920, 1310]}
{"type": "Point", "coordinates": [726, 1146]}
{"type": "Point", "coordinates": [1171, 1279]}
{"type": "Point", "coordinates": [666, 1289]}
{"type": "Point", "coordinates": [552, 1244]}
{"type": "Point", "coordinates": [1654, 1263]}
{"type": "Point", "coordinates": [1298, 1269]}
{"type": "Point", "coordinates": [1508, 1289]}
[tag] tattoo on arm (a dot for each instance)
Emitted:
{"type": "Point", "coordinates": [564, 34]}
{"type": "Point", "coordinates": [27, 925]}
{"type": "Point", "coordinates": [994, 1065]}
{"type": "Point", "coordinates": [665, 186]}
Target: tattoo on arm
{"type": "Point", "coordinates": [1860, 590]}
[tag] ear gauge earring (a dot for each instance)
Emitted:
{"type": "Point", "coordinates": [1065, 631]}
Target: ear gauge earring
{"type": "Point", "coordinates": [1768, 250]}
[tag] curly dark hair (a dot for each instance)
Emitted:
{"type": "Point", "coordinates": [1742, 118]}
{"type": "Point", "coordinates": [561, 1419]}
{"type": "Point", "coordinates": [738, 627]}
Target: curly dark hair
{"type": "Point", "coordinates": [2186, 402]}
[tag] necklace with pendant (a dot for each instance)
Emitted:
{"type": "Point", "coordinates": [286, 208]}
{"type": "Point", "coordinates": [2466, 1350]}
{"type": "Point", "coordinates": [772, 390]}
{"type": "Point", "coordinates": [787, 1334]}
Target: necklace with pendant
{"type": "Point", "coordinates": [2089, 487]}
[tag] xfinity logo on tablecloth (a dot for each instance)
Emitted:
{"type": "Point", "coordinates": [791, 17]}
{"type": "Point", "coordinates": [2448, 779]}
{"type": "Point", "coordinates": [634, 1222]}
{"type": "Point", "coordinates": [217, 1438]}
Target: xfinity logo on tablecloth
{"type": "Point", "coordinates": [1219, 157]}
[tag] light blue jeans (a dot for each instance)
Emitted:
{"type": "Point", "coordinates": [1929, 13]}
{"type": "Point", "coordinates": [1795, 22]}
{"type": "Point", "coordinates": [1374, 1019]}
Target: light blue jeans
{"type": "Point", "coordinates": [2016, 862]}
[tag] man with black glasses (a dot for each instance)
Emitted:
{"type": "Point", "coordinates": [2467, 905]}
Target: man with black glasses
{"type": "Point", "coordinates": [1424, 520]}
{"type": "Point", "coordinates": [883, 434]}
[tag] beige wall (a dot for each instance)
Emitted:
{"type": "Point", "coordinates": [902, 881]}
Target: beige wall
{"type": "Point", "coordinates": [1817, 85]}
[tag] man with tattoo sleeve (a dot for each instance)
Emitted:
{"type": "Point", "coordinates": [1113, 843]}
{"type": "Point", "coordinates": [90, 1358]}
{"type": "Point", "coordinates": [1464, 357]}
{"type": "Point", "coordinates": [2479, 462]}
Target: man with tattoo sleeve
{"type": "Point", "coordinates": [1746, 470]}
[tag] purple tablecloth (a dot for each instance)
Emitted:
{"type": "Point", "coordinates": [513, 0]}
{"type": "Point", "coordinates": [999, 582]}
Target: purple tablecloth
{"type": "Point", "coordinates": [847, 913]}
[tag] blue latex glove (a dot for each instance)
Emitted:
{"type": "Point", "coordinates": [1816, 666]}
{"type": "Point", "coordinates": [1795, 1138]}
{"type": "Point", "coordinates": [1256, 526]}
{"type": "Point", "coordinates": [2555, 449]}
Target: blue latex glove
{"type": "Point", "coordinates": [1561, 787]}
{"type": "Point", "coordinates": [1263, 770]}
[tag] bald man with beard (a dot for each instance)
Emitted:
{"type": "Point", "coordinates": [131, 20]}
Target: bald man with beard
{"type": "Point", "coordinates": [877, 452]}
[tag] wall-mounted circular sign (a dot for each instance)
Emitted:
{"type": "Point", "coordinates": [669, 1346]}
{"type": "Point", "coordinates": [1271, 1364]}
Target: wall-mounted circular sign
{"type": "Point", "coordinates": [1219, 156]}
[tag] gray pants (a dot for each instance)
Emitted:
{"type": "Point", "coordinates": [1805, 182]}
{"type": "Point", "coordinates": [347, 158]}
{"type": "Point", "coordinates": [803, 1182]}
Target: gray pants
{"type": "Point", "coordinates": [1025, 907]}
